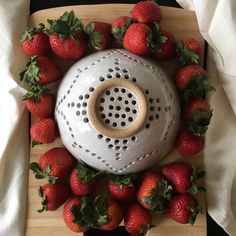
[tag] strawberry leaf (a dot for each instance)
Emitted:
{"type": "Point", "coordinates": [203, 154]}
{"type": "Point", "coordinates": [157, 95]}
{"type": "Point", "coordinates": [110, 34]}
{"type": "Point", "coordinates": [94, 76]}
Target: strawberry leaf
{"type": "Point", "coordinates": [29, 33]}
{"type": "Point", "coordinates": [194, 212]}
{"type": "Point", "coordinates": [143, 230]}
{"type": "Point", "coordinates": [118, 33]}
{"type": "Point", "coordinates": [52, 179]}
{"type": "Point", "coordinates": [185, 55]}
{"type": "Point", "coordinates": [201, 117]}
{"type": "Point", "coordinates": [197, 87]}
{"type": "Point", "coordinates": [120, 180]}
{"type": "Point", "coordinates": [100, 210]}
{"type": "Point", "coordinates": [86, 173]}
{"type": "Point", "coordinates": [43, 201]}
{"type": "Point", "coordinates": [34, 143]}
{"type": "Point", "coordinates": [35, 92]}
{"type": "Point", "coordinates": [194, 189]}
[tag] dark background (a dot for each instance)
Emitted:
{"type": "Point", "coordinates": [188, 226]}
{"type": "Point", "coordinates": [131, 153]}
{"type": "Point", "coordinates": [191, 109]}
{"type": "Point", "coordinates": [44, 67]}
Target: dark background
{"type": "Point", "coordinates": [212, 228]}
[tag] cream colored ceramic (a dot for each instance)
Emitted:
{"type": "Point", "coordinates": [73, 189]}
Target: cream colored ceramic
{"type": "Point", "coordinates": [117, 112]}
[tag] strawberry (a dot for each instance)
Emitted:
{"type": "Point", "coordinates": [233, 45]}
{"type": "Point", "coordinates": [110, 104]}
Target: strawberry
{"type": "Point", "coordinates": [137, 220]}
{"type": "Point", "coordinates": [166, 43]}
{"type": "Point", "coordinates": [99, 34]}
{"type": "Point", "coordinates": [53, 196]}
{"type": "Point", "coordinates": [43, 131]}
{"type": "Point", "coordinates": [197, 113]}
{"type": "Point", "coordinates": [189, 144]}
{"type": "Point", "coordinates": [40, 106]}
{"type": "Point", "coordinates": [66, 37]}
{"type": "Point", "coordinates": [153, 192]}
{"type": "Point", "coordinates": [122, 187]}
{"type": "Point", "coordinates": [108, 213]}
{"type": "Point", "coordinates": [83, 179]}
{"type": "Point", "coordinates": [192, 81]}
{"type": "Point", "coordinates": [78, 214]}
{"type": "Point", "coordinates": [147, 12]}
{"type": "Point", "coordinates": [182, 177]}
{"type": "Point", "coordinates": [188, 51]}
{"type": "Point", "coordinates": [138, 39]}
{"type": "Point", "coordinates": [41, 70]}
{"type": "Point", "coordinates": [35, 41]}
{"type": "Point", "coordinates": [183, 208]}
{"type": "Point", "coordinates": [119, 27]}
{"type": "Point", "coordinates": [55, 164]}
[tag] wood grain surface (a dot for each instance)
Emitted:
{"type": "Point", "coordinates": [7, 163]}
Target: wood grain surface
{"type": "Point", "coordinates": [183, 24]}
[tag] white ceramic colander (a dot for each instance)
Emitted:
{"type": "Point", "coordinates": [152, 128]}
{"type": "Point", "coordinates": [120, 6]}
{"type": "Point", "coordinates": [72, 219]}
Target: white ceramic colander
{"type": "Point", "coordinates": [117, 112]}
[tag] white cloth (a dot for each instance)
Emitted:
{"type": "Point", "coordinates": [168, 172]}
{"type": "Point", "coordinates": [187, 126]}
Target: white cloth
{"type": "Point", "coordinates": [14, 141]}
{"type": "Point", "coordinates": [217, 23]}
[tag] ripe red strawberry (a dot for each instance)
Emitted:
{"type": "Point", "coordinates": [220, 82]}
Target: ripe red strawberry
{"type": "Point", "coordinates": [192, 81]}
{"type": "Point", "coordinates": [53, 196]}
{"type": "Point", "coordinates": [44, 131]}
{"type": "Point", "coordinates": [153, 192]}
{"type": "Point", "coordinates": [35, 41]}
{"type": "Point", "coordinates": [75, 217]}
{"type": "Point", "coordinates": [182, 177]}
{"type": "Point", "coordinates": [119, 27]}
{"type": "Point", "coordinates": [137, 220]}
{"type": "Point", "coordinates": [40, 106]}
{"type": "Point", "coordinates": [122, 187]}
{"type": "Point", "coordinates": [83, 179]}
{"type": "Point", "coordinates": [189, 144]}
{"type": "Point", "coordinates": [138, 39]}
{"type": "Point", "coordinates": [99, 34]}
{"type": "Point", "coordinates": [147, 12]}
{"type": "Point", "coordinates": [188, 51]}
{"type": "Point", "coordinates": [66, 37]}
{"type": "Point", "coordinates": [41, 70]}
{"type": "Point", "coordinates": [55, 164]}
{"type": "Point", "coordinates": [166, 44]}
{"type": "Point", "coordinates": [183, 208]}
{"type": "Point", "coordinates": [109, 213]}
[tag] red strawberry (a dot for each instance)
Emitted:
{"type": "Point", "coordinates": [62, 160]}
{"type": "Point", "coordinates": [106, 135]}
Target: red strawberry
{"type": "Point", "coordinates": [137, 220]}
{"type": "Point", "coordinates": [40, 106]}
{"type": "Point", "coordinates": [83, 179]}
{"type": "Point", "coordinates": [138, 39]}
{"type": "Point", "coordinates": [35, 41]}
{"type": "Point", "coordinates": [192, 81]}
{"type": "Point", "coordinates": [153, 192]}
{"type": "Point", "coordinates": [41, 70]}
{"type": "Point", "coordinates": [189, 144]}
{"type": "Point", "coordinates": [166, 44]}
{"type": "Point", "coordinates": [53, 196]}
{"type": "Point", "coordinates": [122, 187]}
{"type": "Point", "coordinates": [119, 27]}
{"type": "Point", "coordinates": [182, 177]}
{"type": "Point", "coordinates": [99, 34]}
{"type": "Point", "coordinates": [55, 164]}
{"type": "Point", "coordinates": [66, 37]}
{"type": "Point", "coordinates": [188, 51]}
{"type": "Point", "coordinates": [183, 208]}
{"type": "Point", "coordinates": [44, 131]}
{"type": "Point", "coordinates": [147, 12]}
{"type": "Point", "coordinates": [74, 216]}
{"type": "Point", "coordinates": [109, 213]}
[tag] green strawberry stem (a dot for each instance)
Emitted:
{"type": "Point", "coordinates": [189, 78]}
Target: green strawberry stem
{"type": "Point", "coordinates": [67, 25]}
{"type": "Point", "coordinates": [159, 196]}
{"type": "Point", "coordinates": [185, 55]}
{"type": "Point", "coordinates": [143, 230]}
{"type": "Point", "coordinates": [29, 33]}
{"type": "Point", "coordinates": [196, 175]}
{"type": "Point", "coordinates": [197, 87]}
{"type": "Point", "coordinates": [34, 143]}
{"type": "Point", "coordinates": [84, 214]}
{"type": "Point", "coordinates": [44, 200]}
{"type": "Point", "coordinates": [41, 174]}
{"type": "Point", "coordinates": [35, 92]}
{"type": "Point", "coordinates": [118, 33]}
{"type": "Point", "coordinates": [121, 180]}
{"type": "Point", "coordinates": [194, 212]}
{"type": "Point", "coordinates": [100, 209]}
{"type": "Point", "coordinates": [95, 38]}
{"type": "Point", "coordinates": [86, 173]}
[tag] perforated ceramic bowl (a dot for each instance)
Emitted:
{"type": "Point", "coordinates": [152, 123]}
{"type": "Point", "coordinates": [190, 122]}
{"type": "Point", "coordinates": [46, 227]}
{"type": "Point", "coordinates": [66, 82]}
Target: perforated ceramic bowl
{"type": "Point", "coordinates": [117, 112]}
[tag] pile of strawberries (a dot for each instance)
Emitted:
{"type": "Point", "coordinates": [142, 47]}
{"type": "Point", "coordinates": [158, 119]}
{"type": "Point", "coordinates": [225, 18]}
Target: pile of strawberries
{"type": "Point", "coordinates": [133, 197]}
{"type": "Point", "coordinates": [169, 191]}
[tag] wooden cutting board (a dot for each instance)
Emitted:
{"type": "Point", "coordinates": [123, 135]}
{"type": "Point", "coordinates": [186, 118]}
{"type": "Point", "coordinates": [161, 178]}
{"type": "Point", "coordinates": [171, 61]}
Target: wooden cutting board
{"type": "Point", "coordinates": [183, 24]}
